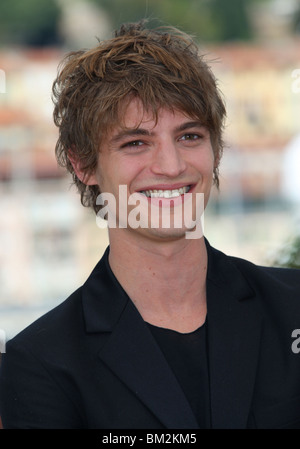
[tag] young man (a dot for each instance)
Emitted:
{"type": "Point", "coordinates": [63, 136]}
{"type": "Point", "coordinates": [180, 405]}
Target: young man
{"type": "Point", "coordinates": [167, 332]}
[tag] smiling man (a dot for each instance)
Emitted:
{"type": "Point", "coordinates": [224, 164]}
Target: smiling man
{"type": "Point", "coordinates": [161, 161]}
{"type": "Point", "coordinates": [167, 332]}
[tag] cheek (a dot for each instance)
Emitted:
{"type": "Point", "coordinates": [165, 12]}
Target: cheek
{"type": "Point", "coordinates": [205, 164]}
{"type": "Point", "coordinates": [210, 161]}
{"type": "Point", "coordinates": [113, 172]}
{"type": "Point", "coordinates": [103, 176]}
{"type": "Point", "coordinates": [133, 169]}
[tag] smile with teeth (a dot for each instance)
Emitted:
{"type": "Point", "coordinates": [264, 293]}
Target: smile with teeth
{"type": "Point", "coordinates": [159, 193]}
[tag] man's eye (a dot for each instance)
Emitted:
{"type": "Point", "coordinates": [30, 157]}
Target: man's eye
{"type": "Point", "coordinates": [190, 136]}
{"type": "Point", "coordinates": [134, 143]}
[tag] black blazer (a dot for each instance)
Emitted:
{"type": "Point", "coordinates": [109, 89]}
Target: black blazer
{"type": "Point", "coordinates": [93, 363]}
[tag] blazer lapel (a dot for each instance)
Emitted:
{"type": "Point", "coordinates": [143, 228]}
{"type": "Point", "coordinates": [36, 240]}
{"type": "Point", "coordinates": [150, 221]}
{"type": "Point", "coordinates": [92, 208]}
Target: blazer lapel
{"type": "Point", "coordinates": [130, 350]}
{"type": "Point", "coordinates": [132, 353]}
{"type": "Point", "coordinates": [234, 328]}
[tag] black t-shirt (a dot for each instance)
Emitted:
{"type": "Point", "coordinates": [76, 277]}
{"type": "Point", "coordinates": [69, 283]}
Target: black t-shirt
{"type": "Point", "coordinates": [187, 357]}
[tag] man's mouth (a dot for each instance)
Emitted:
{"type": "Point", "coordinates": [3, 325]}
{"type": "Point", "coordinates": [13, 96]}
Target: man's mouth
{"type": "Point", "coordinates": [165, 193]}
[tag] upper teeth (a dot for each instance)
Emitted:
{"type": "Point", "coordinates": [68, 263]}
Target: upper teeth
{"type": "Point", "coordinates": [166, 193]}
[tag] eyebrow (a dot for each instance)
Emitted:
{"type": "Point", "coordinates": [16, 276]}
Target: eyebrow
{"type": "Point", "coordinates": [136, 132]}
{"type": "Point", "coordinates": [131, 132]}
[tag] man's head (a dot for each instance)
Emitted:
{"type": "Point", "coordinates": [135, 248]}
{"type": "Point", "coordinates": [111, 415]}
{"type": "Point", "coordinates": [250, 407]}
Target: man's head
{"type": "Point", "coordinates": [162, 68]}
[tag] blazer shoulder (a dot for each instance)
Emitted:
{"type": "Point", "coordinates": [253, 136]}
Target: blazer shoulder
{"type": "Point", "coordinates": [53, 324]}
{"type": "Point", "coordinates": [275, 275]}
{"type": "Point", "coordinates": [261, 279]}
{"type": "Point", "coordinates": [273, 286]}
{"type": "Point", "coordinates": [228, 264]}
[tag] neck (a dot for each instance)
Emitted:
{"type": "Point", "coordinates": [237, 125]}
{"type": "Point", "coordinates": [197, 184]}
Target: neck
{"type": "Point", "coordinates": [165, 280]}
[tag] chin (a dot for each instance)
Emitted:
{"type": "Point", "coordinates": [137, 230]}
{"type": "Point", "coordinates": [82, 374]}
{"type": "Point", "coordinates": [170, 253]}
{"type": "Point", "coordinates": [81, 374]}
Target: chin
{"type": "Point", "coordinates": [163, 234]}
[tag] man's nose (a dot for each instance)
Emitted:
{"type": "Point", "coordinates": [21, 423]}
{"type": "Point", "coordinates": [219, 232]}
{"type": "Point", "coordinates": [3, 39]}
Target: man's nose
{"type": "Point", "coordinates": [168, 160]}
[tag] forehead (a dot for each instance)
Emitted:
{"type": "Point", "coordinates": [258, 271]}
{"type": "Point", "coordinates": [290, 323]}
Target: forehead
{"type": "Point", "coordinates": [134, 115]}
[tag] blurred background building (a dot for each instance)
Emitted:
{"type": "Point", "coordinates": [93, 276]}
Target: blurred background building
{"type": "Point", "coordinates": [48, 242]}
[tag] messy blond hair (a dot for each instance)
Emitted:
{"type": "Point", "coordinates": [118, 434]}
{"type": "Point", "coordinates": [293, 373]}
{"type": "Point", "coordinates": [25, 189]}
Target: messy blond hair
{"type": "Point", "coordinates": [160, 67]}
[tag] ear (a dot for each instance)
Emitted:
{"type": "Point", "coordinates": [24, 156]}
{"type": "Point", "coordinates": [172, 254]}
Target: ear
{"type": "Point", "coordinates": [87, 179]}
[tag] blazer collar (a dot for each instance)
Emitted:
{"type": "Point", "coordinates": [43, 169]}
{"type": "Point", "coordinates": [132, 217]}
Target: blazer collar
{"type": "Point", "coordinates": [234, 324]}
{"type": "Point", "coordinates": [103, 298]}
{"type": "Point", "coordinates": [234, 328]}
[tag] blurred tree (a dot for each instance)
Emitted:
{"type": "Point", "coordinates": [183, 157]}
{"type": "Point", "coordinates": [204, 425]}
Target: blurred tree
{"type": "Point", "coordinates": [210, 20]}
{"type": "Point", "coordinates": [296, 20]}
{"type": "Point", "coordinates": [190, 15]}
{"type": "Point", "coordinates": [289, 256]}
{"type": "Point", "coordinates": [30, 22]}
{"type": "Point", "coordinates": [232, 20]}
{"type": "Point", "coordinates": [35, 22]}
